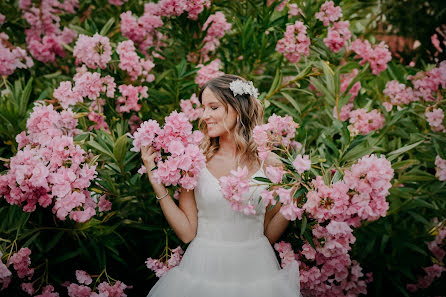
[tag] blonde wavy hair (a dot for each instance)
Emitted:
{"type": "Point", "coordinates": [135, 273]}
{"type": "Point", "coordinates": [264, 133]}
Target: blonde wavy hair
{"type": "Point", "coordinates": [249, 114]}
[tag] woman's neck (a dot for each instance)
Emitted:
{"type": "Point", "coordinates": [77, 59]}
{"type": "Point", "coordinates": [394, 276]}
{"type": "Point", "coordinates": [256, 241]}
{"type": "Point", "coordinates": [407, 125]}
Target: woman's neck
{"type": "Point", "coordinates": [227, 145]}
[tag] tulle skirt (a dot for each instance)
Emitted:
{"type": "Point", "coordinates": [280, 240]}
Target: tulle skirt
{"type": "Point", "coordinates": [211, 268]}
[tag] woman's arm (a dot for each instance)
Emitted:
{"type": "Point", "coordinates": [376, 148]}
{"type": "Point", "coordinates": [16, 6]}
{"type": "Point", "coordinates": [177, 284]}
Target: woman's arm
{"type": "Point", "coordinates": [275, 223]}
{"type": "Point", "coordinates": [183, 218]}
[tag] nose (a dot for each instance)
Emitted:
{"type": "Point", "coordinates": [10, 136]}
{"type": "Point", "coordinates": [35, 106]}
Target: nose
{"type": "Point", "coordinates": [205, 115]}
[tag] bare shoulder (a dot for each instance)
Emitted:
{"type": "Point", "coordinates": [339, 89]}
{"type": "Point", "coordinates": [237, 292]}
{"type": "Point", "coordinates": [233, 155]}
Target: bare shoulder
{"type": "Point", "coordinates": [273, 160]}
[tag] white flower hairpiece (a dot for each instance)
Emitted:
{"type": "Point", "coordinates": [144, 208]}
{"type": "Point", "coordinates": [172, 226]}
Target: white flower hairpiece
{"type": "Point", "coordinates": [239, 87]}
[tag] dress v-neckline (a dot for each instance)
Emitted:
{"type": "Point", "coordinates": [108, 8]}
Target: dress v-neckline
{"type": "Point", "coordinates": [213, 176]}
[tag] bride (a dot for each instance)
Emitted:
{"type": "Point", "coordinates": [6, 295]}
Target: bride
{"type": "Point", "coordinates": [230, 253]}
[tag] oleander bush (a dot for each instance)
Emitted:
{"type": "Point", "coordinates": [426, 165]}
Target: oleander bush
{"type": "Point", "coordinates": [361, 137]}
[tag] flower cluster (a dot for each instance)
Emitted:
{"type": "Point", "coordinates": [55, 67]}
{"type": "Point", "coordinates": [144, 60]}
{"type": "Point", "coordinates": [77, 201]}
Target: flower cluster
{"type": "Point", "coordinates": [294, 10]}
{"type": "Point", "coordinates": [142, 31]}
{"type": "Point", "coordinates": [398, 93]}
{"type": "Point", "coordinates": [86, 85]}
{"type": "Point", "coordinates": [234, 188]}
{"type": "Point", "coordinates": [93, 51]}
{"type": "Point", "coordinates": [21, 262]}
{"type": "Point", "coordinates": [426, 85]}
{"type": "Point", "coordinates": [191, 108]}
{"type": "Point", "coordinates": [216, 26]}
{"type": "Point", "coordinates": [12, 57]}
{"type": "Point", "coordinates": [378, 56]}
{"type": "Point", "coordinates": [45, 38]}
{"type": "Point", "coordinates": [328, 13]}
{"type": "Point", "coordinates": [363, 122]}
{"type": "Point", "coordinates": [435, 119]}
{"type": "Point", "coordinates": [130, 96]}
{"type": "Point", "coordinates": [50, 168]}
{"type": "Point", "coordinates": [346, 79]}
{"type": "Point", "coordinates": [295, 42]}
{"type": "Point", "coordinates": [5, 274]}
{"type": "Point", "coordinates": [104, 288]}
{"type": "Point", "coordinates": [337, 36]}
{"type": "Point", "coordinates": [160, 267]}
{"type": "Point", "coordinates": [134, 65]}
{"type": "Point", "coordinates": [286, 253]}
{"type": "Point", "coordinates": [176, 138]}
{"type": "Point", "coordinates": [208, 72]}
{"type": "Point", "coordinates": [441, 168]}
{"type": "Point", "coordinates": [278, 131]}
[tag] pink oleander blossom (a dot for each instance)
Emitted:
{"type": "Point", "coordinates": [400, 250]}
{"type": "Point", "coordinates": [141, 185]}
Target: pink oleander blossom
{"type": "Point", "coordinates": [130, 96]}
{"type": "Point", "coordinates": [329, 13]}
{"type": "Point", "coordinates": [234, 188]}
{"type": "Point", "coordinates": [191, 108]}
{"type": "Point", "coordinates": [302, 163]}
{"type": "Point", "coordinates": [426, 85]}
{"type": "Point", "coordinates": [21, 262]}
{"type": "Point", "coordinates": [378, 56]}
{"type": "Point", "coordinates": [48, 291]}
{"type": "Point", "coordinates": [295, 42]}
{"type": "Point", "coordinates": [216, 26]}
{"type": "Point", "coordinates": [208, 72]}
{"type": "Point", "coordinates": [195, 7]}
{"type": "Point", "coordinates": [45, 37]}
{"type": "Point", "coordinates": [275, 174]}
{"type": "Point", "coordinates": [12, 58]}
{"type": "Point", "coordinates": [294, 10]}
{"type": "Point", "coordinates": [440, 168]}
{"type": "Point", "coordinates": [346, 79]}
{"type": "Point", "coordinates": [435, 119]}
{"type": "Point", "coordinates": [93, 51]}
{"type": "Point", "coordinates": [134, 65]}
{"type": "Point", "coordinates": [278, 131]}
{"type": "Point", "coordinates": [338, 35]}
{"type": "Point", "coordinates": [160, 268]}
{"type": "Point", "coordinates": [398, 93]}
{"type": "Point", "coordinates": [363, 122]}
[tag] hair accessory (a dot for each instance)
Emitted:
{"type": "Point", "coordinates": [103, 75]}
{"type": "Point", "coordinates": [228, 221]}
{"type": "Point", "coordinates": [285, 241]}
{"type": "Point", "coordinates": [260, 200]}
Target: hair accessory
{"type": "Point", "coordinates": [239, 87]}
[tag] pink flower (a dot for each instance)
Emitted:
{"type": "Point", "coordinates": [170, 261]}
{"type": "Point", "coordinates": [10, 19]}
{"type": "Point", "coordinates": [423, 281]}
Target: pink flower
{"type": "Point", "coordinates": [160, 267]}
{"type": "Point", "coordinates": [337, 36]}
{"type": "Point", "coordinates": [441, 168]}
{"type": "Point", "coordinates": [378, 56]}
{"type": "Point", "coordinates": [93, 51]}
{"type": "Point", "coordinates": [275, 174]}
{"type": "Point", "coordinates": [435, 119]}
{"type": "Point", "coordinates": [436, 43]}
{"type": "Point", "coordinates": [12, 57]}
{"type": "Point", "coordinates": [191, 108]}
{"type": "Point", "coordinates": [134, 65]}
{"type": "Point", "coordinates": [104, 205]}
{"type": "Point", "coordinates": [399, 94]}
{"type": "Point", "coordinates": [83, 277]}
{"type": "Point", "coordinates": [48, 291]}
{"type": "Point", "coordinates": [365, 122]}
{"type": "Point", "coordinates": [328, 13]}
{"type": "Point", "coordinates": [130, 96]}
{"type": "Point", "coordinates": [208, 72]}
{"type": "Point", "coordinates": [293, 10]}
{"type": "Point", "coordinates": [302, 163]}
{"type": "Point", "coordinates": [21, 262]}
{"type": "Point", "coordinates": [28, 288]}
{"type": "Point", "coordinates": [295, 42]}
{"type": "Point", "coordinates": [216, 30]}
{"type": "Point", "coordinates": [195, 7]}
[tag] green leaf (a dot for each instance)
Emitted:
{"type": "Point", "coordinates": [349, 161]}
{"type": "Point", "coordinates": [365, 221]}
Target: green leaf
{"type": "Point", "coordinates": [292, 101]}
{"type": "Point", "coordinates": [394, 154]}
{"type": "Point", "coordinates": [120, 148]}
{"type": "Point", "coordinates": [107, 27]}
{"type": "Point", "coordinates": [304, 225]}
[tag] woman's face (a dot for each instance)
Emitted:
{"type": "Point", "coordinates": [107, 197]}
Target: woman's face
{"type": "Point", "coordinates": [215, 115]}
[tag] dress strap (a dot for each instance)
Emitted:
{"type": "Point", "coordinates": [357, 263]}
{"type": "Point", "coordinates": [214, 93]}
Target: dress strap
{"type": "Point", "coordinates": [261, 164]}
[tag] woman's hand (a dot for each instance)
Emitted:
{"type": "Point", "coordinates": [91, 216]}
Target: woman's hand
{"type": "Point", "coordinates": [148, 155]}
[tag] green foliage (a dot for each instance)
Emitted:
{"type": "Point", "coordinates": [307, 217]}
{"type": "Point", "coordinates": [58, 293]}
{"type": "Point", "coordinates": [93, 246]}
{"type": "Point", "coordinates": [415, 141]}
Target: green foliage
{"type": "Point", "coordinates": [393, 248]}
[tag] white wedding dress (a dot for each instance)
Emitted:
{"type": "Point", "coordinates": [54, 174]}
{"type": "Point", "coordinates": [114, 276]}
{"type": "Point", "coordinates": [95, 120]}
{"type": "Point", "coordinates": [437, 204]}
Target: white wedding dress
{"type": "Point", "coordinates": [230, 256]}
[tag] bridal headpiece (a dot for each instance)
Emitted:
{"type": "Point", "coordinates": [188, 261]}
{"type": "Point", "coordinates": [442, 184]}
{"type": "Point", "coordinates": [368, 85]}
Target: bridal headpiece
{"type": "Point", "coordinates": [239, 87]}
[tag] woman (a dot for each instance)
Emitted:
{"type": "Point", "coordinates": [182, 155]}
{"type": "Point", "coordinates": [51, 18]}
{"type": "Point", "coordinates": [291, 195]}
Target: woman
{"type": "Point", "coordinates": [230, 253]}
